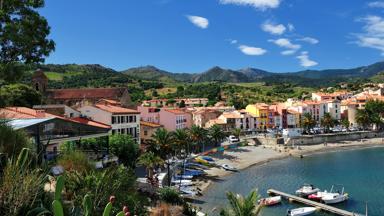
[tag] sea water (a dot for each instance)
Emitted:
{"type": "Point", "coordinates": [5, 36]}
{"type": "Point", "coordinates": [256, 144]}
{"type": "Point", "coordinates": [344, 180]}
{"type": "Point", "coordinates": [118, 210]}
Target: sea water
{"type": "Point", "coordinates": [360, 172]}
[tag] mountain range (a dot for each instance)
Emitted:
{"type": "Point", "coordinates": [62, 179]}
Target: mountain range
{"type": "Point", "coordinates": [309, 77]}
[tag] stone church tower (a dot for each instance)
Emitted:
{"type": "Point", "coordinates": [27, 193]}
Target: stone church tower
{"type": "Point", "coordinates": [39, 81]}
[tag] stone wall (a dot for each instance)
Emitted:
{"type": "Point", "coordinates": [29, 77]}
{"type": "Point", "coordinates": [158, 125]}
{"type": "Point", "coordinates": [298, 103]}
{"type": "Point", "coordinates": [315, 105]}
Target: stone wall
{"type": "Point", "coordinates": [331, 138]}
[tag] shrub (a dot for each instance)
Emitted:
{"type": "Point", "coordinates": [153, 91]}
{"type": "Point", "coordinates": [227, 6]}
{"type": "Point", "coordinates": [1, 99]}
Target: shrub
{"type": "Point", "coordinates": [75, 161]}
{"type": "Point", "coordinates": [170, 195]}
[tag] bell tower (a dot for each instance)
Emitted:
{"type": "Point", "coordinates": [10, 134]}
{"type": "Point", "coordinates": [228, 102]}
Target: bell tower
{"type": "Point", "coordinates": [39, 81]}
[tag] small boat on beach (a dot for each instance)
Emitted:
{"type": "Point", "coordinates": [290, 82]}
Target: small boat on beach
{"type": "Point", "coordinates": [306, 190]}
{"type": "Point", "coordinates": [269, 201]}
{"type": "Point", "coordinates": [181, 181]}
{"type": "Point", "coordinates": [301, 211]}
{"type": "Point", "coordinates": [229, 167]}
{"type": "Point", "coordinates": [183, 177]}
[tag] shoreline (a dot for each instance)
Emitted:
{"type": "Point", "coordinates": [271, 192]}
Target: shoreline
{"type": "Point", "coordinates": [250, 156]}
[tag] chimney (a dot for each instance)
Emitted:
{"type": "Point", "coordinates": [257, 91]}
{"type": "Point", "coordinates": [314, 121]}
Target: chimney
{"type": "Point", "coordinates": [40, 114]}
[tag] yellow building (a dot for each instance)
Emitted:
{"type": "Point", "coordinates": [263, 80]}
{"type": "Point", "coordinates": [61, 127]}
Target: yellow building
{"type": "Point", "coordinates": [260, 111]}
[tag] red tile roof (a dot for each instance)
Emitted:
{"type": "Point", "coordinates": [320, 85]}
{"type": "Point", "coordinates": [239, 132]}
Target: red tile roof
{"type": "Point", "coordinates": [150, 124]}
{"type": "Point", "coordinates": [175, 111]}
{"type": "Point", "coordinates": [101, 93]}
{"type": "Point", "coordinates": [90, 122]}
{"type": "Point", "coordinates": [116, 109]}
{"type": "Point", "coordinates": [23, 113]}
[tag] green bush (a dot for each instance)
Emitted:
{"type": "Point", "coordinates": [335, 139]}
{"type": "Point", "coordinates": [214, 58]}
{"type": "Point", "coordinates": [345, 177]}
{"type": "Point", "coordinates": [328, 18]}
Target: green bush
{"type": "Point", "coordinates": [170, 195]}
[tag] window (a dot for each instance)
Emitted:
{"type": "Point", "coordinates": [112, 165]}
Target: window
{"type": "Point", "coordinates": [122, 119]}
{"type": "Point", "coordinates": [113, 119]}
{"type": "Point", "coordinates": [130, 119]}
{"type": "Point", "coordinates": [113, 132]}
{"type": "Point", "coordinates": [134, 119]}
{"type": "Point", "coordinates": [145, 132]}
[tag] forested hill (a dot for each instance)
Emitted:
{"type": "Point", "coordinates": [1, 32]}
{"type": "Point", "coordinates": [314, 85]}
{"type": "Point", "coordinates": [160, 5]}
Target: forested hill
{"type": "Point", "coordinates": [93, 75]}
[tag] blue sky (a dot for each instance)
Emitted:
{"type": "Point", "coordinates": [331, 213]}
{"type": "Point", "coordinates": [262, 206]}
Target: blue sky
{"type": "Point", "coordinates": [195, 35]}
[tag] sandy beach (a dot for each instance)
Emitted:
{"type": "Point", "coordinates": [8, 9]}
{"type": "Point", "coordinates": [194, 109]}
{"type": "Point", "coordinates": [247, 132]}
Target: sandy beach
{"type": "Point", "coordinates": [247, 156]}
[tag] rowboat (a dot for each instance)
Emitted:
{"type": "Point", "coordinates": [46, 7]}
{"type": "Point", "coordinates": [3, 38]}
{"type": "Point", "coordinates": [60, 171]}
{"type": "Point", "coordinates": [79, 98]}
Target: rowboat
{"type": "Point", "coordinates": [229, 167]}
{"type": "Point", "coordinates": [301, 211]}
{"type": "Point", "coordinates": [270, 201]}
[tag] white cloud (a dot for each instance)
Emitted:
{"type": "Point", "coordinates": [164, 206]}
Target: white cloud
{"type": "Point", "coordinates": [233, 41]}
{"type": "Point", "coordinates": [288, 52]}
{"type": "Point", "coordinates": [291, 27]}
{"type": "Point", "coordinates": [305, 61]}
{"type": "Point", "coordinates": [376, 4]}
{"type": "Point", "coordinates": [373, 33]}
{"type": "Point", "coordinates": [309, 40]}
{"type": "Point", "coordinates": [258, 4]}
{"type": "Point", "coordinates": [275, 29]}
{"type": "Point", "coordinates": [255, 51]}
{"type": "Point", "coordinates": [286, 43]}
{"type": "Point", "coordinates": [198, 21]}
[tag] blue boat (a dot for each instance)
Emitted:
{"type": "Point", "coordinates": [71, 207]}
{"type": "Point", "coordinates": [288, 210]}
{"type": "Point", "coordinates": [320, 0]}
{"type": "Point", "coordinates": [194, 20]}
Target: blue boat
{"type": "Point", "coordinates": [207, 158]}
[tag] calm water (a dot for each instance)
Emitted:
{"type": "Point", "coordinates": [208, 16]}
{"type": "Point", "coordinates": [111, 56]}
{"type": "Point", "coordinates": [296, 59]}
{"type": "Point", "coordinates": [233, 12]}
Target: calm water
{"type": "Point", "coordinates": [361, 172]}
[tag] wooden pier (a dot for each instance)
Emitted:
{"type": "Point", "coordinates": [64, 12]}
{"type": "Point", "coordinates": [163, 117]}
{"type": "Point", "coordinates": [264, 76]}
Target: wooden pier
{"type": "Point", "coordinates": [312, 203]}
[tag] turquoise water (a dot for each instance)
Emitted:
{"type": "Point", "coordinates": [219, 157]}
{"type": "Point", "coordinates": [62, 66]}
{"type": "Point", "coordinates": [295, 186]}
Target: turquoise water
{"type": "Point", "coordinates": [361, 172]}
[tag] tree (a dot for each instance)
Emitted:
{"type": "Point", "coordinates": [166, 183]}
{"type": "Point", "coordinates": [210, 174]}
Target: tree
{"type": "Point", "coordinates": [242, 206]}
{"type": "Point", "coordinates": [125, 148]}
{"type": "Point", "coordinates": [216, 134]}
{"type": "Point", "coordinates": [19, 95]}
{"type": "Point", "coordinates": [236, 132]}
{"type": "Point", "coordinates": [161, 143]}
{"type": "Point", "coordinates": [182, 104]}
{"type": "Point", "coordinates": [150, 161]}
{"type": "Point", "coordinates": [327, 121]}
{"type": "Point", "coordinates": [362, 118]}
{"type": "Point", "coordinates": [345, 122]}
{"type": "Point", "coordinates": [23, 35]}
{"type": "Point", "coordinates": [181, 140]}
{"type": "Point", "coordinates": [308, 122]}
{"type": "Point", "coordinates": [198, 136]}
{"type": "Point", "coordinates": [375, 110]}
{"type": "Point", "coordinates": [12, 141]}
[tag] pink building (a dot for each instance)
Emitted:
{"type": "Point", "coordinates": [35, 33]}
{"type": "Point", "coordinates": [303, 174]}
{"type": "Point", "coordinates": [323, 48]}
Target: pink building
{"type": "Point", "coordinates": [171, 119]}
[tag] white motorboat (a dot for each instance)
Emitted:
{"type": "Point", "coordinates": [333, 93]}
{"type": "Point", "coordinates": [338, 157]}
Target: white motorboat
{"type": "Point", "coordinates": [301, 211]}
{"type": "Point", "coordinates": [270, 201]}
{"type": "Point", "coordinates": [306, 190]}
{"type": "Point", "coordinates": [332, 197]}
{"type": "Point", "coordinates": [229, 167]}
{"type": "Point", "coordinates": [317, 196]}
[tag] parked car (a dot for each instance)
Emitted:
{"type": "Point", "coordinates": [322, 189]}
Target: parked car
{"type": "Point", "coordinates": [233, 139]}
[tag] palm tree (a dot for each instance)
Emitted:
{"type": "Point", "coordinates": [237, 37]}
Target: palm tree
{"type": "Point", "coordinates": [216, 134]}
{"type": "Point", "coordinates": [308, 122]}
{"type": "Point", "coordinates": [181, 140]}
{"type": "Point", "coordinates": [236, 132]}
{"type": "Point", "coordinates": [150, 161]}
{"type": "Point", "coordinates": [161, 143]}
{"type": "Point", "coordinates": [198, 136]}
{"type": "Point", "coordinates": [327, 121]}
{"type": "Point", "coordinates": [242, 206]}
{"type": "Point", "coordinates": [362, 118]}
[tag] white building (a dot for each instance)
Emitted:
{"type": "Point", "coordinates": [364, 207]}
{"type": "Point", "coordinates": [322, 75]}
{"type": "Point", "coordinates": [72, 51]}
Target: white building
{"type": "Point", "coordinates": [122, 120]}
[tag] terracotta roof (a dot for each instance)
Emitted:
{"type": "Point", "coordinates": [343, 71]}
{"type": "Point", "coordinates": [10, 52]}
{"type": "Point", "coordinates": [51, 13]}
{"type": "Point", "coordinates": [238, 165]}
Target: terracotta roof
{"type": "Point", "coordinates": [23, 113]}
{"type": "Point", "coordinates": [232, 115]}
{"type": "Point", "coordinates": [109, 101]}
{"type": "Point", "coordinates": [39, 73]}
{"type": "Point", "coordinates": [89, 122]}
{"type": "Point", "coordinates": [175, 111]}
{"type": "Point", "coordinates": [150, 124]}
{"type": "Point", "coordinates": [116, 109]}
{"type": "Point", "coordinates": [216, 121]}
{"type": "Point", "coordinates": [102, 93]}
